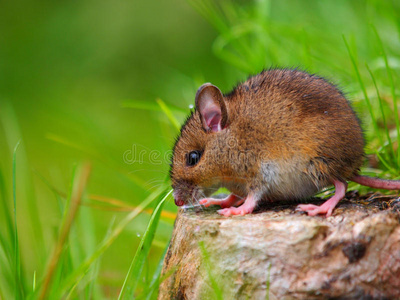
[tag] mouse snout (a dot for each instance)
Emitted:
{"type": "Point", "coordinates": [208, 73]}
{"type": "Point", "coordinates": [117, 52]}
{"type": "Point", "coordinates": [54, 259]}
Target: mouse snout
{"type": "Point", "coordinates": [184, 193]}
{"type": "Point", "coordinates": [178, 201]}
{"type": "Point", "coordinates": [178, 198]}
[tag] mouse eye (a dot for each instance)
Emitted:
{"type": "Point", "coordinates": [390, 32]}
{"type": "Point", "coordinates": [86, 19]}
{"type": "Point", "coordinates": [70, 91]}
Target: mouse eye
{"type": "Point", "coordinates": [193, 158]}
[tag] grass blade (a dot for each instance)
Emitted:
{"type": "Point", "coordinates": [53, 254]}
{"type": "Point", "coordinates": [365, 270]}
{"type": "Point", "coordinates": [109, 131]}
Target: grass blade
{"type": "Point", "coordinates": [7, 284]}
{"type": "Point", "coordinates": [386, 164]}
{"type": "Point", "coordinates": [135, 270]}
{"type": "Point", "coordinates": [106, 203]}
{"type": "Point", "coordinates": [68, 218]}
{"type": "Point", "coordinates": [169, 114]}
{"type": "Point", "coordinates": [393, 91]}
{"type": "Point", "coordinates": [34, 282]}
{"type": "Point", "coordinates": [10, 121]}
{"type": "Point", "coordinates": [19, 287]}
{"type": "Point", "coordinates": [370, 109]}
{"type": "Point", "coordinates": [95, 263]}
{"type": "Point", "coordinates": [151, 106]}
{"type": "Point", "coordinates": [210, 12]}
{"type": "Point", "coordinates": [155, 282]}
{"type": "Point", "coordinates": [81, 270]}
{"type": "Point", "coordinates": [7, 216]}
{"type": "Point", "coordinates": [88, 244]}
{"type": "Point", "coordinates": [243, 32]}
{"type": "Point", "coordinates": [383, 116]}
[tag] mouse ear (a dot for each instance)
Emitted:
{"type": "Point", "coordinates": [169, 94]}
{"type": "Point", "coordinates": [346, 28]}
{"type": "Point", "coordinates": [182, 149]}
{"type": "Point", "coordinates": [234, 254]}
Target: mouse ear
{"type": "Point", "coordinates": [211, 106]}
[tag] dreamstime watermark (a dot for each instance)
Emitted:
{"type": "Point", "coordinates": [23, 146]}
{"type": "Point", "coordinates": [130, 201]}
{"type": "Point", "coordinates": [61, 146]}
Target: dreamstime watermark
{"type": "Point", "coordinates": [223, 153]}
{"type": "Point", "coordinates": [140, 155]}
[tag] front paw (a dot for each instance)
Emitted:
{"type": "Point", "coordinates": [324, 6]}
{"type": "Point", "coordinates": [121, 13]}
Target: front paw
{"type": "Point", "coordinates": [241, 210]}
{"type": "Point", "coordinates": [226, 202]}
{"type": "Point", "coordinates": [209, 201]}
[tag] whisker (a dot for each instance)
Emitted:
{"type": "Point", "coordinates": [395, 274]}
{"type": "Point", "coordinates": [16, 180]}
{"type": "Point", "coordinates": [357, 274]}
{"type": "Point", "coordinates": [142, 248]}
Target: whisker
{"type": "Point", "coordinates": [152, 181]}
{"type": "Point", "coordinates": [198, 201]}
{"type": "Point", "coordinates": [151, 188]}
{"type": "Point", "coordinates": [193, 197]}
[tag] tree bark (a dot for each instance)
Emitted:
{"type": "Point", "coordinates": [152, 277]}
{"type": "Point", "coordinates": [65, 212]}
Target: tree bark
{"type": "Point", "coordinates": [280, 253]}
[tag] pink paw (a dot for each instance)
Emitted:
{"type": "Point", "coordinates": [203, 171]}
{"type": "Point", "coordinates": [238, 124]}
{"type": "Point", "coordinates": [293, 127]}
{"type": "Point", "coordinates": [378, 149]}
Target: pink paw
{"type": "Point", "coordinates": [314, 210]}
{"type": "Point", "coordinates": [207, 202]}
{"type": "Point", "coordinates": [226, 202]}
{"type": "Point", "coordinates": [211, 201]}
{"type": "Point", "coordinates": [328, 206]}
{"type": "Point", "coordinates": [241, 210]}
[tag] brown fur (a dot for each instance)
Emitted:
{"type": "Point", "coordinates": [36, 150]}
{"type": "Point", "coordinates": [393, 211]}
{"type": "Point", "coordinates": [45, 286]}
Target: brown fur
{"type": "Point", "coordinates": [280, 122]}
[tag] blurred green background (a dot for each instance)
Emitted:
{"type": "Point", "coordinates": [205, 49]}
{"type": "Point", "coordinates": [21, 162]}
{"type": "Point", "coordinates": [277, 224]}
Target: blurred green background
{"type": "Point", "coordinates": [96, 80]}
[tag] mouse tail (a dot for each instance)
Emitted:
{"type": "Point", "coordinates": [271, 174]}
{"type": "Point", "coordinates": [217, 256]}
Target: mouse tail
{"type": "Point", "coordinates": [377, 183]}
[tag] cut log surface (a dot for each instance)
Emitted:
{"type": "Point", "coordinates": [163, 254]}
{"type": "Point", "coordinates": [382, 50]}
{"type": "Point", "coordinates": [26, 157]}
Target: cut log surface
{"type": "Point", "coordinates": [279, 253]}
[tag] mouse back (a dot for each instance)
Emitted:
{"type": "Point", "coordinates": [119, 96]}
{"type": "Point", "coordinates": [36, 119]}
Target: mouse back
{"type": "Point", "coordinates": [300, 115]}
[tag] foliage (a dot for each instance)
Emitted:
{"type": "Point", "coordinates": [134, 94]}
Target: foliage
{"type": "Point", "coordinates": [111, 83]}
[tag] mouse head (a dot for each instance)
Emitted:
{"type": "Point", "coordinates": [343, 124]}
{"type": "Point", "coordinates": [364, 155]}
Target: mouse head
{"type": "Point", "coordinates": [196, 163]}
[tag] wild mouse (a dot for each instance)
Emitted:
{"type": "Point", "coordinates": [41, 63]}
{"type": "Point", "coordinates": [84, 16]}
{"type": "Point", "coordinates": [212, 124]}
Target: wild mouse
{"type": "Point", "coordinates": [282, 135]}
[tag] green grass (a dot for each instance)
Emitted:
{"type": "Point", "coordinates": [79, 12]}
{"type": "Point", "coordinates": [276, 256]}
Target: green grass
{"type": "Point", "coordinates": [135, 270]}
{"type": "Point", "coordinates": [18, 287]}
{"type": "Point", "coordinates": [66, 71]}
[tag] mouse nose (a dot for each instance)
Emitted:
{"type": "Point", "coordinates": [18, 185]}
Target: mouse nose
{"type": "Point", "coordinates": [178, 200]}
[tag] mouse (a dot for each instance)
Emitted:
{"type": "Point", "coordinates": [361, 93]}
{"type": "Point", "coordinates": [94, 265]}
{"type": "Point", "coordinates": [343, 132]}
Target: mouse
{"type": "Point", "coordinates": [282, 135]}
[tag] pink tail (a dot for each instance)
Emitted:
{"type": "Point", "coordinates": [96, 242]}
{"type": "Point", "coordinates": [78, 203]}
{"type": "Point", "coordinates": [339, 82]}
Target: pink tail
{"type": "Point", "coordinates": [377, 183]}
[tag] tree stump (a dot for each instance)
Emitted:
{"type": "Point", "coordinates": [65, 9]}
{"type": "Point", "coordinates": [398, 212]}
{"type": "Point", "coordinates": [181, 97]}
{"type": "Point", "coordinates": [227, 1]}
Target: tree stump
{"type": "Point", "coordinates": [279, 253]}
